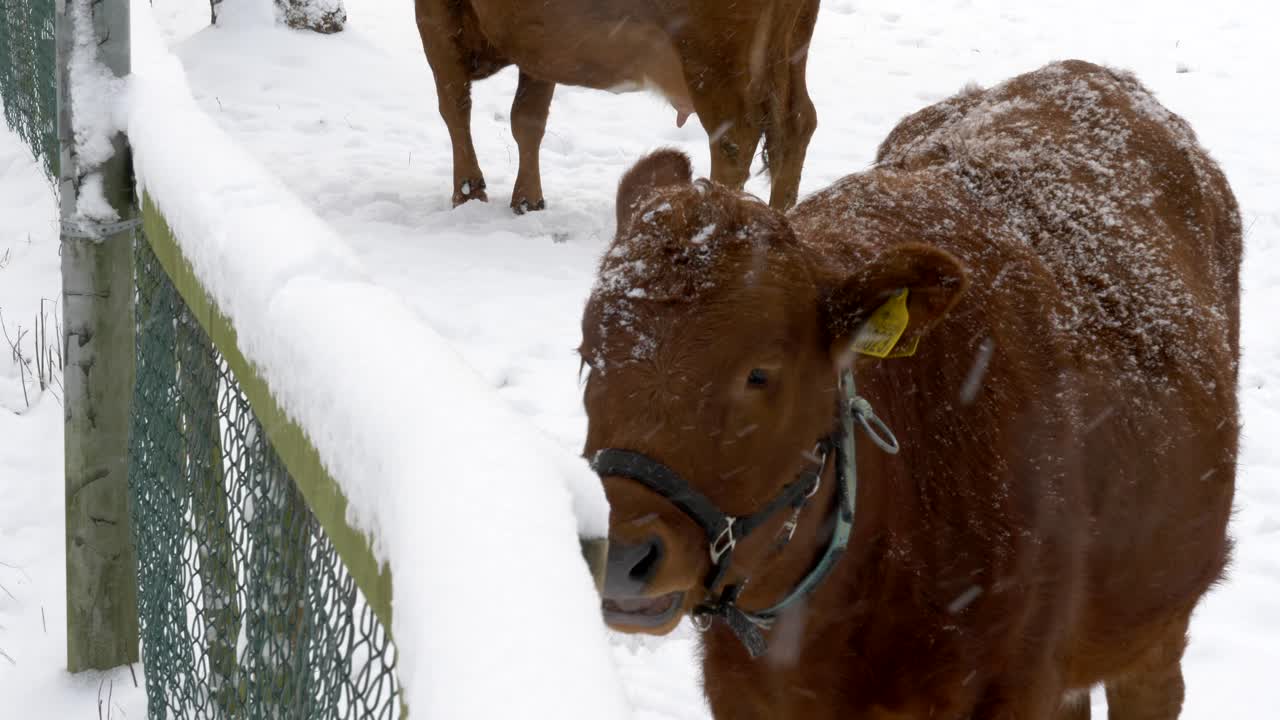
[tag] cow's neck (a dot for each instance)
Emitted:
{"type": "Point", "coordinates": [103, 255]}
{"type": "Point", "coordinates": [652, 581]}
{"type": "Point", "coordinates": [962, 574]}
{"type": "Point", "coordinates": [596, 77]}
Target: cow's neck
{"type": "Point", "coordinates": [870, 217]}
{"type": "Point", "coordinates": [838, 622]}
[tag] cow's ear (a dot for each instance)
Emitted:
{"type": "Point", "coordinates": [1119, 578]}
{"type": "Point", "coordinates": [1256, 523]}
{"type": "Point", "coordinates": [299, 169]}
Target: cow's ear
{"type": "Point", "coordinates": [932, 278]}
{"type": "Point", "coordinates": [659, 168]}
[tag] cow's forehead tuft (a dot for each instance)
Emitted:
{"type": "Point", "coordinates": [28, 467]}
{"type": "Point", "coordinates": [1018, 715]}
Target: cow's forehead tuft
{"type": "Point", "coordinates": [682, 249]}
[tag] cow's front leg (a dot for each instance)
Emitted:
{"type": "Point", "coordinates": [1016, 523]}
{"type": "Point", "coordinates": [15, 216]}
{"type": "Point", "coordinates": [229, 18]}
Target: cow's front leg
{"type": "Point", "coordinates": [1153, 688]}
{"type": "Point", "coordinates": [1025, 696]}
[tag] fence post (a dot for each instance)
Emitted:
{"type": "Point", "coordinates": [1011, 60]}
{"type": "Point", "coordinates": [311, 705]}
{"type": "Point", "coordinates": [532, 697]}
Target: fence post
{"type": "Point", "coordinates": [97, 301]}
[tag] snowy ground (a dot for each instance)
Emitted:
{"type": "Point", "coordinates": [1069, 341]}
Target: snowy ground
{"type": "Point", "coordinates": [349, 124]}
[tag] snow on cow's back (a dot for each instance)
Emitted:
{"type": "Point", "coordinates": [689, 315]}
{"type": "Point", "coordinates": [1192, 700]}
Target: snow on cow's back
{"type": "Point", "coordinates": [1116, 197]}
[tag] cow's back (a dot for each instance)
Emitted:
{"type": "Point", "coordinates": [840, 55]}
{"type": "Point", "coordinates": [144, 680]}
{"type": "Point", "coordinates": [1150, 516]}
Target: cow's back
{"type": "Point", "coordinates": [1114, 194]}
{"type": "Point", "coordinates": [1141, 235]}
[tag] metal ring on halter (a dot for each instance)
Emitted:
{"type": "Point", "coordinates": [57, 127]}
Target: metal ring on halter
{"type": "Point", "coordinates": [817, 483]}
{"type": "Point", "coordinates": [879, 433]}
{"type": "Point", "coordinates": [701, 621]}
{"type": "Point", "coordinates": [819, 456]}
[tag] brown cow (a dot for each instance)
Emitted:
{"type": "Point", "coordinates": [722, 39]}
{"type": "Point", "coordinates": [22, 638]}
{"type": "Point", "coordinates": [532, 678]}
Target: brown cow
{"type": "Point", "coordinates": [1068, 421]}
{"type": "Point", "coordinates": [740, 65]}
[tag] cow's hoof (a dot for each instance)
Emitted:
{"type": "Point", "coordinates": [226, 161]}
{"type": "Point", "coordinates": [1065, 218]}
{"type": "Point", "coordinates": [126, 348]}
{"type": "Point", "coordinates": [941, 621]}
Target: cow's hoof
{"type": "Point", "coordinates": [523, 205]}
{"type": "Point", "coordinates": [469, 190]}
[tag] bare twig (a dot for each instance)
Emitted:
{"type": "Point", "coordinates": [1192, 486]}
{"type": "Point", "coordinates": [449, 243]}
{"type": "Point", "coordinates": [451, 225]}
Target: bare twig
{"type": "Point", "coordinates": [15, 346]}
{"type": "Point", "coordinates": [40, 368]}
{"type": "Point", "coordinates": [43, 623]}
{"type": "Point", "coordinates": [22, 378]}
{"type": "Point", "coordinates": [56, 397]}
{"type": "Point", "coordinates": [6, 656]}
{"type": "Point", "coordinates": [45, 349]}
{"type": "Point", "coordinates": [5, 329]}
{"type": "Point", "coordinates": [57, 329]}
{"type": "Point", "coordinates": [48, 359]}
{"type": "Point", "coordinates": [6, 592]}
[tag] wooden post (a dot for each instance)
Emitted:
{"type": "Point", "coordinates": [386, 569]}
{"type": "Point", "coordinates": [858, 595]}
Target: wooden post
{"type": "Point", "coordinates": [97, 301]}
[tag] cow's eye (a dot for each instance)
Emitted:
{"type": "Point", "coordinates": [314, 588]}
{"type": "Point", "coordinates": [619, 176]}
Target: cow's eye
{"type": "Point", "coordinates": [757, 378]}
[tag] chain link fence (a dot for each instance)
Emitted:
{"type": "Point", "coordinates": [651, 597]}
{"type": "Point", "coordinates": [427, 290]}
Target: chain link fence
{"type": "Point", "coordinates": [28, 76]}
{"type": "Point", "coordinates": [246, 609]}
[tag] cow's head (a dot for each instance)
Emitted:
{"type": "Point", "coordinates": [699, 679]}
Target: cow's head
{"type": "Point", "coordinates": [713, 341]}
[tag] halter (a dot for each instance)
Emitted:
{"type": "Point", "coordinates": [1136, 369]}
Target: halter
{"type": "Point", "coordinates": [724, 531]}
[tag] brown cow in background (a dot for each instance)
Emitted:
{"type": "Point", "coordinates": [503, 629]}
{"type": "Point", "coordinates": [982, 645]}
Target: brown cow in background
{"type": "Point", "coordinates": [1068, 422]}
{"type": "Point", "coordinates": [738, 64]}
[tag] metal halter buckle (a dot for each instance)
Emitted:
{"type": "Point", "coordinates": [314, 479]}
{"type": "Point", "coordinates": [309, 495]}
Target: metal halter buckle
{"type": "Point", "coordinates": [724, 542]}
{"type": "Point", "coordinates": [818, 456]}
{"type": "Point", "coordinates": [789, 528]}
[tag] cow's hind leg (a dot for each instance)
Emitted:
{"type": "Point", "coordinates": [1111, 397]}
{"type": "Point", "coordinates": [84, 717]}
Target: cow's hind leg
{"type": "Point", "coordinates": [733, 130]}
{"type": "Point", "coordinates": [792, 117]}
{"type": "Point", "coordinates": [733, 121]}
{"type": "Point", "coordinates": [453, 91]}
{"type": "Point", "coordinates": [529, 113]}
{"type": "Point", "coordinates": [1153, 688]}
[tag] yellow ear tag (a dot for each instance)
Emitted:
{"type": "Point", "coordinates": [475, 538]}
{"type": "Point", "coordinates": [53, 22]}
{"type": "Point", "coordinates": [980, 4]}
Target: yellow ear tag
{"type": "Point", "coordinates": [906, 348]}
{"type": "Point", "coordinates": [878, 336]}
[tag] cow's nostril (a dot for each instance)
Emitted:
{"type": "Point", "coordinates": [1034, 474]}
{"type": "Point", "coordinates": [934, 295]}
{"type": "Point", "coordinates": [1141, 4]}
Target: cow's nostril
{"type": "Point", "coordinates": [647, 566]}
{"type": "Point", "coordinates": [632, 567]}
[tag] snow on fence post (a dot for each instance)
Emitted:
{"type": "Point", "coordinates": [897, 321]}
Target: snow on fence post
{"type": "Point", "coordinates": [97, 203]}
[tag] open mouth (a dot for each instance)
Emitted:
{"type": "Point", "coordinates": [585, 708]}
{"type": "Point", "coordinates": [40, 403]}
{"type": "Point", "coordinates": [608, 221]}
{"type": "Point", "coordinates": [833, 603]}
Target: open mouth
{"type": "Point", "coordinates": [641, 611]}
